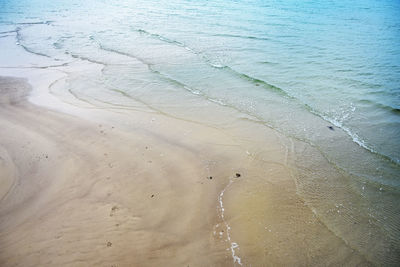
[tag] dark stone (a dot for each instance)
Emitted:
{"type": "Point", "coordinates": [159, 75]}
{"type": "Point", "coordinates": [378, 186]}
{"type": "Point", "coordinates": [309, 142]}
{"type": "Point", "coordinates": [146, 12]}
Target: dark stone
{"type": "Point", "coordinates": [331, 128]}
{"type": "Point", "coordinates": [152, 195]}
{"type": "Point", "coordinates": [238, 175]}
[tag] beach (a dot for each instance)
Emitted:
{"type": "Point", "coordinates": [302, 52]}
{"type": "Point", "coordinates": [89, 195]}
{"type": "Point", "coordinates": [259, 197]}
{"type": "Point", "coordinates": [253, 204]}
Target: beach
{"type": "Point", "coordinates": [170, 134]}
{"type": "Point", "coordinates": [84, 192]}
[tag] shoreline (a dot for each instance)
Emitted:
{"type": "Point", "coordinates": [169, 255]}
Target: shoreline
{"type": "Point", "coordinates": [92, 184]}
{"type": "Point", "coordinates": [140, 193]}
{"type": "Point", "coordinates": [198, 135]}
{"type": "Point", "coordinates": [281, 207]}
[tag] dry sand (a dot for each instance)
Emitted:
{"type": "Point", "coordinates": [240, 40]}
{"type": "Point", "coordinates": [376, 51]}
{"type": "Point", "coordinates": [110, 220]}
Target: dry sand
{"type": "Point", "coordinates": [80, 192]}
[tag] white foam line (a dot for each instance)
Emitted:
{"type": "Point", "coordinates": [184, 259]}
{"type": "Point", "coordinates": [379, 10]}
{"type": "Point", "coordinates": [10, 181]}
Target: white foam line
{"type": "Point", "coordinates": [356, 139]}
{"type": "Point", "coordinates": [354, 136]}
{"type": "Point", "coordinates": [234, 245]}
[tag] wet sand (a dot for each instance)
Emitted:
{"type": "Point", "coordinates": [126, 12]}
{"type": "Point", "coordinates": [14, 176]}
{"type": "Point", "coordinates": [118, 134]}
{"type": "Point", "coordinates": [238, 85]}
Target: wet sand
{"type": "Point", "coordinates": [140, 189]}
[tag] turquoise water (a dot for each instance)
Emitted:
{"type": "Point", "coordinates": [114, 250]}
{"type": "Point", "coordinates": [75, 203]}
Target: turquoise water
{"type": "Point", "coordinates": [337, 60]}
{"type": "Point", "coordinates": [296, 66]}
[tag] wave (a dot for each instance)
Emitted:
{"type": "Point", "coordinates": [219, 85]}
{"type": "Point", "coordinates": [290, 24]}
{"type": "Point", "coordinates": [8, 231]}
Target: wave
{"type": "Point", "coordinates": [8, 32]}
{"type": "Point", "coordinates": [253, 80]}
{"type": "Point", "coordinates": [141, 60]}
{"type": "Point", "coordinates": [33, 52]}
{"type": "Point", "coordinates": [19, 42]}
{"type": "Point", "coordinates": [164, 39]}
{"type": "Point", "coordinates": [164, 76]}
{"type": "Point", "coordinates": [256, 81]}
{"type": "Point", "coordinates": [5, 36]}
{"type": "Point", "coordinates": [381, 106]}
{"type": "Point", "coordinates": [87, 59]}
{"type": "Point", "coordinates": [268, 63]}
{"type": "Point", "coordinates": [47, 22]}
{"type": "Point", "coordinates": [39, 67]}
{"type": "Point", "coordinates": [354, 136]}
{"type": "Point", "coordinates": [240, 36]}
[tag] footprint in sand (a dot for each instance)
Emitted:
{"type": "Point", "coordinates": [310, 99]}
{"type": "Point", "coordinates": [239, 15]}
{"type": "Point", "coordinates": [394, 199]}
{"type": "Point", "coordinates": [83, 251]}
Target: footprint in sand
{"type": "Point", "coordinates": [113, 210]}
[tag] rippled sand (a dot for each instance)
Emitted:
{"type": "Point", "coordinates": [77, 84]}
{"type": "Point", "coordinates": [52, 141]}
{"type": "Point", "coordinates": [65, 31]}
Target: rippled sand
{"type": "Point", "coordinates": [146, 190]}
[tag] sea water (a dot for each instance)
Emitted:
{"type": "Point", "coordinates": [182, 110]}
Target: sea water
{"type": "Point", "coordinates": [326, 73]}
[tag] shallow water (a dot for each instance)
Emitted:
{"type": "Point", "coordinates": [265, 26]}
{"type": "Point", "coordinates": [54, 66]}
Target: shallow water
{"type": "Point", "coordinates": [298, 67]}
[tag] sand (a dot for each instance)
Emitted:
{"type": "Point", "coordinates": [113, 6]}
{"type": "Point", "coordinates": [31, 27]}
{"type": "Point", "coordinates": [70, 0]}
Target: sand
{"type": "Point", "coordinates": [142, 189]}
